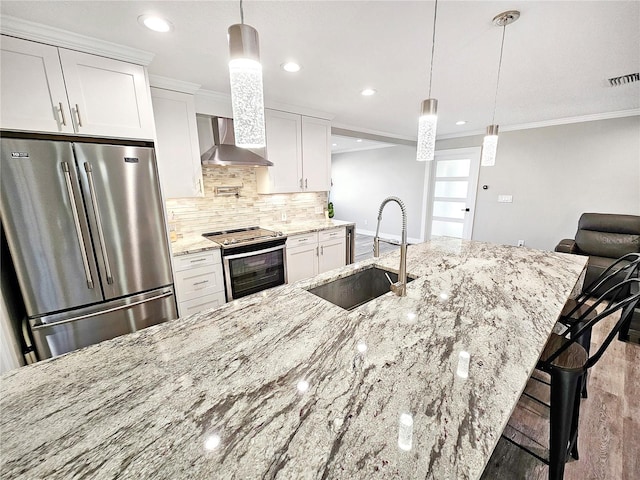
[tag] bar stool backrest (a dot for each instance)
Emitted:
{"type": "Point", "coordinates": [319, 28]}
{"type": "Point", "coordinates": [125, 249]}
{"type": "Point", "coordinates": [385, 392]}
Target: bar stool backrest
{"type": "Point", "coordinates": [629, 263]}
{"type": "Point", "coordinates": [625, 305]}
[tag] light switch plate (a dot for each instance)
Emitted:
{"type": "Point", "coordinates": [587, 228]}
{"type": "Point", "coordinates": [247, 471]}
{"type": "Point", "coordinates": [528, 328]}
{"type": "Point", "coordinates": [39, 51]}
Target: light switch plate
{"type": "Point", "coordinates": [505, 198]}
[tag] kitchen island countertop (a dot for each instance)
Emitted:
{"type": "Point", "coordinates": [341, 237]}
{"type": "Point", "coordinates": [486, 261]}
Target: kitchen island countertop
{"type": "Point", "coordinates": [283, 384]}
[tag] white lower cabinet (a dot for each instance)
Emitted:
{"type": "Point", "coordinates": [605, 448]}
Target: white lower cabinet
{"type": "Point", "coordinates": [333, 249]}
{"type": "Point", "coordinates": [309, 254]}
{"type": "Point", "coordinates": [199, 281]}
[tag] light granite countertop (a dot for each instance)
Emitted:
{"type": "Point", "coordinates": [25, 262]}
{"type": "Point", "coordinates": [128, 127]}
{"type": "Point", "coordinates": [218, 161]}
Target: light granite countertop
{"type": "Point", "coordinates": [283, 384]}
{"type": "Point", "coordinates": [197, 243]}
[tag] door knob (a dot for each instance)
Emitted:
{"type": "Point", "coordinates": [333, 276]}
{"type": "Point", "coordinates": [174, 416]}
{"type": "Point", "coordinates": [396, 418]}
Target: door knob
{"type": "Point", "coordinates": [464, 209]}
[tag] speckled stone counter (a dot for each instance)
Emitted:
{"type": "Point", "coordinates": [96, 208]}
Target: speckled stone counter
{"type": "Point", "coordinates": [192, 244]}
{"type": "Point", "coordinates": [283, 384]}
{"type": "Point", "coordinates": [197, 243]}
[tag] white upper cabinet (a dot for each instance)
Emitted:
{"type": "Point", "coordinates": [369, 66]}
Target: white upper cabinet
{"type": "Point", "coordinates": [177, 147]}
{"type": "Point", "coordinates": [284, 149]}
{"type": "Point", "coordinates": [299, 148]}
{"type": "Point", "coordinates": [107, 97]}
{"type": "Point", "coordinates": [316, 154]}
{"type": "Point", "coordinates": [55, 90]}
{"type": "Point", "coordinates": [33, 95]}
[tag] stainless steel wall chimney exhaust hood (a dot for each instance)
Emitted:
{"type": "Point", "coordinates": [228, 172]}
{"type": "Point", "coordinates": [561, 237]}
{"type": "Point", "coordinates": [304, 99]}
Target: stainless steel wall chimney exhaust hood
{"type": "Point", "coordinates": [224, 151]}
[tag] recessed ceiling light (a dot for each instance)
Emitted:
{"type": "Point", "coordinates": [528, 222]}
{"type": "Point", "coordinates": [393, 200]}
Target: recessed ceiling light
{"type": "Point", "coordinates": [291, 67]}
{"type": "Point", "coordinates": [359, 140]}
{"type": "Point", "coordinates": [461, 122]}
{"type": "Point", "coordinates": [334, 144]}
{"type": "Point", "coordinates": [157, 24]}
{"type": "Point", "coordinates": [367, 92]}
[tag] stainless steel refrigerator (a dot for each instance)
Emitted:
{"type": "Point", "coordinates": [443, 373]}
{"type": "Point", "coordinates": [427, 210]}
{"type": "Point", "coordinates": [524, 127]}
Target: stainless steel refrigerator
{"type": "Point", "coordinates": [85, 229]}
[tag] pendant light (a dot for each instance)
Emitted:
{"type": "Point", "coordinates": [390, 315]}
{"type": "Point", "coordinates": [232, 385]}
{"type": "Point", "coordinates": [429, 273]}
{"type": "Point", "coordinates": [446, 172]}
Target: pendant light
{"type": "Point", "coordinates": [490, 142]}
{"type": "Point", "coordinates": [245, 74]}
{"type": "Point", "coordinates": [429, 114]}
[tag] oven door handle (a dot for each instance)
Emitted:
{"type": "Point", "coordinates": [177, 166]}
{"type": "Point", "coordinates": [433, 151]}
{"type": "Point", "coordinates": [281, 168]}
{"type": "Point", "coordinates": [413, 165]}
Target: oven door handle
{"type": "Point", "coordinates": [254, 252]}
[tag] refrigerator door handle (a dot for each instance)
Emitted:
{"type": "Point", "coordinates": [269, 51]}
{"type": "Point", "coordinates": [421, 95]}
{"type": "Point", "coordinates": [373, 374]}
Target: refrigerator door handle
{"type": "Point", "coordinates": [168, 293]}
{"type": "Point", "coordinates": [76, 221]}
{"type": "Point", "coordinates": [94, 203]}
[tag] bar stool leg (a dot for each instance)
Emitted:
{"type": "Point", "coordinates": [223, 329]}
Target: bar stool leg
{"type": "Point", "coordinates": [564, 387]}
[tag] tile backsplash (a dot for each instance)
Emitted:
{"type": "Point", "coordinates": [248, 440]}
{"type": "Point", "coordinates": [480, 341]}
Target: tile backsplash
{"type": "Point", "coordinates": [219, 212]}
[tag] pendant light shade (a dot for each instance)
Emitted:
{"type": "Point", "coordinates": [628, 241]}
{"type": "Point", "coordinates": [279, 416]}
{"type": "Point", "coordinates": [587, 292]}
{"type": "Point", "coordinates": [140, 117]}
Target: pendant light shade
{"type": "Point", "coordinates": [428, 121]}
{"type": "Point", "coordinates": [245, 74]}
{"type": "Point", "coordinates": [427, 130]}
{"type": "Point", "coordinates": [490, 147]}
{"type": "Point", "coordinates": [490, 142]}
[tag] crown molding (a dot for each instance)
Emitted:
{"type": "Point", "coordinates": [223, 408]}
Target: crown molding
{"type": "Point", "coordinates": [167, 83]}
{"type": "Point", "coordinates": [37, 32]}
{"type": "Point", "coordinates": [360, 149]}
{"type": "Point", "coordinates": [368, 134]}
{"type": "Point", "coordinates": [548, 123]}
{"type": "Point", "coordinates": [284, 107]}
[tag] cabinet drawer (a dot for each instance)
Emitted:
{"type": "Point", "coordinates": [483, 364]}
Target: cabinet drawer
{"type": "Point", "coordinates": [198, 282]}
{"type": "Point", "coordinates": [302, 239]}
{"type": "Point", "coordinates": [210, 257]}
{"type": "Point", "coordinates": [332, 234]}
{"type": "Point", "coordinates": [202, 303]}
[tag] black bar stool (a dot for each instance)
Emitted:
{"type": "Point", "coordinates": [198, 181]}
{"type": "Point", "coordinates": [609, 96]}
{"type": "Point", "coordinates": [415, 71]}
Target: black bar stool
{"type": "Point", "coordinates": [577, 311]}
{"type": "Point", "coordinates": [566, 361]}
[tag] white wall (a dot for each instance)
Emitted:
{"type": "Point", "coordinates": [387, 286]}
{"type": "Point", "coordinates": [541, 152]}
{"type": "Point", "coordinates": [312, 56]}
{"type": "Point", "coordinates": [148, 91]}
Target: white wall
{"type": "Point", "coordinates": [361, 180]}
{"type": "Point", "coordinates": [555, 174]}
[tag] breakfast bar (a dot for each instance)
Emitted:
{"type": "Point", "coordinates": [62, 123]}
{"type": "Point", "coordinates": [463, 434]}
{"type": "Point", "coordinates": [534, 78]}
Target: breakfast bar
{"type": "Point", "coordinates": [283, 384]}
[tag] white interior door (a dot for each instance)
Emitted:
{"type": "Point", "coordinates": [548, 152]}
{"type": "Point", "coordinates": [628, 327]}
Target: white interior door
{"type": "Point", "coordinates": [452, 187]}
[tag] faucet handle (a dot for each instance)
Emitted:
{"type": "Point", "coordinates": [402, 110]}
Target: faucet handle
{"type": "Point", "coordinates": [399, 288]}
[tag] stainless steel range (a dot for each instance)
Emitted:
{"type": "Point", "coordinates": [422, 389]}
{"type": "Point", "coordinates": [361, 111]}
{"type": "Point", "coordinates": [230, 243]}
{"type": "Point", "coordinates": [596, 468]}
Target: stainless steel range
{"type": "Point", "coordinates": [254, 259]}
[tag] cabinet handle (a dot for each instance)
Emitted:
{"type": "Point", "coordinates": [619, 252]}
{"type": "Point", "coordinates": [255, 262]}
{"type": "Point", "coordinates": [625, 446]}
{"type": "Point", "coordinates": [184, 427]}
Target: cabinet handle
{"type": "Point", "coordinates": [78, 115]}
{"type": "Point", "coordinates": [317, 253]}
{"type": "Point", "coordinates": [306, 183]}
{"type": "Point", "coordinates": [201, 283]}
{"type": "Point", "coordinates": [322, 250]}
{"type": "Point", "coordinates": [62, 119]}
{"type": "Point", "coordinates": [198, 260]}
{"type": "Point", "coordinates": [200, 189]}
{"type": "Point", "coordinates": [300, 183]}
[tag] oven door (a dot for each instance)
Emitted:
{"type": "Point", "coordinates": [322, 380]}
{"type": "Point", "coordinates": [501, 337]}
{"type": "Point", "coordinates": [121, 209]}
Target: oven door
{"type": "Point", "coordinates": [250, 272]}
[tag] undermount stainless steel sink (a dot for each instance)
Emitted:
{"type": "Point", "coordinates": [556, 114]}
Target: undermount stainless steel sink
{"type": "Point", "coordinates": [358, 288]}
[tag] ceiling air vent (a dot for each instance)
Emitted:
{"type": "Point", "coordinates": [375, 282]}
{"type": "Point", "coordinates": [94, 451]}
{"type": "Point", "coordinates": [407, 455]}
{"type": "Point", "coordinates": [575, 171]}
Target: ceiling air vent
{"type": "Point", "coordinates": [616, 81]}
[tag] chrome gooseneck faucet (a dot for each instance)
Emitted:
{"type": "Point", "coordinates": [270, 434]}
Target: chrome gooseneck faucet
{"type": "Point", "coordinates": [400, 287]}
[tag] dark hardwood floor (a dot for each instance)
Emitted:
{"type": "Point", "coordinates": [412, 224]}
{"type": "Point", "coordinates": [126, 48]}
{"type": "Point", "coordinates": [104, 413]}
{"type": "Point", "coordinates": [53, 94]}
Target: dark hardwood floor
{"type": "Point", "coordinates": [609, 432]}
{"type": "Point", "coordinates": [364, 247]}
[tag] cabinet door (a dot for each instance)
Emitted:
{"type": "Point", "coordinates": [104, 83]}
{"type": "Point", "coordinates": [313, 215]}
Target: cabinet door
{"type": "Point", "coordinates": [33, 95]}
{"type": "Point", "coordinates": [302, 262]}
{"type": "Point", "coordinates": [316, 154]}
{"type": "Point", "coordinates": [177, 147]}
{"type": "Point", "coordinates": [332, 254]}
{"type": "Point", "coordinates": [284, 149]}
{"type": "Point", "coordinates": [107, 97]}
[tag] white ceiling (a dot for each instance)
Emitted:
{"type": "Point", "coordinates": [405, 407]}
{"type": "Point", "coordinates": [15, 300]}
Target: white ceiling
{"type": "Point", "coordinates": [557, 57]}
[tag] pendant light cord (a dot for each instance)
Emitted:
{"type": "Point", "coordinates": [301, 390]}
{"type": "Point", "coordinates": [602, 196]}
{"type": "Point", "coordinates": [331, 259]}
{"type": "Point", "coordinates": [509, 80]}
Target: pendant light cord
{"type": "Point", "coordinates": [495, 99]}
{"type": "Point", "coordinates": [241, 13]}
{"type": "Point", "coordinates": [433, 45]}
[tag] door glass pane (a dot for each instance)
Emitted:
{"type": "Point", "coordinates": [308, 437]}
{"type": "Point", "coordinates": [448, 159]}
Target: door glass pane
{"type": "Point", "coordinates": [448, 209]}
{"type": "Point", "coordinates": [447, 229]}
{"type": "Point", "coordinates": [455, 189]}
{"type": "Point", "coordinates": [453, 168]}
